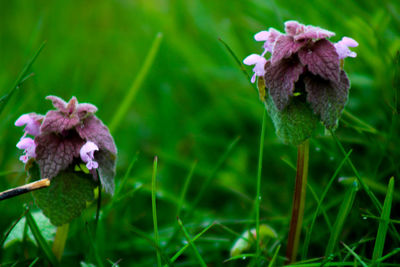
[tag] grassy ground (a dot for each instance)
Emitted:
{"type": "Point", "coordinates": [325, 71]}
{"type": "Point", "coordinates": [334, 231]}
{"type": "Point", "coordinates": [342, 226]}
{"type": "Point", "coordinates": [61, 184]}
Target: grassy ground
{"type": "Point", "coordinates": [198, 113]}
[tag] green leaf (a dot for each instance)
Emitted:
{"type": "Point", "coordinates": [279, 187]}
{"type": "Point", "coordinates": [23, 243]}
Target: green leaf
{"type": "Point", "coordinates": [295, 123]}
{"type": "Point", "coordinates": [40, 239]}
{"type": "Point", "coordinates": [344, 211]}
{"type": "Point", "coordinates": [17, 233]}
{"type": "Point", "coordinates": [66, 197]}
{"type": "Point", "coordinates": [384, 222]}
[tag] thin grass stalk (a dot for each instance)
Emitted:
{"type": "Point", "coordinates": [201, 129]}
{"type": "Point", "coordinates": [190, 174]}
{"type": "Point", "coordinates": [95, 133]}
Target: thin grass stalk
{"type": "Point", "coordinates": [154, 209]}
{"type": "Point", "coordinates": [60, 240]}
{"type": "Point", "coordinates": [258, 196]}
{"type": "Point", "coordinates": [298, 201]}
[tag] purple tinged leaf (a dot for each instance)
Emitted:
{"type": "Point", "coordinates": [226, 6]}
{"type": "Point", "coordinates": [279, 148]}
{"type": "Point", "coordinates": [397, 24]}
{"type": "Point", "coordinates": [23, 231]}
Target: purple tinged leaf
{"type": "Point", "coordinates": [327, 98]}
{"type": "Point", "coordinates": [284, 47]}
{"type": "Point", "coordinates": [85, 109]}
{"type": "Point", "coordinates": [58, 103]}
{"type": "Point", "coordinates": [57, 122]}
{"type": "Point", "coordinates": [321, 59]}
{"type": "Point", "coordinates": [92, 129]}
{"type": "Point", "coordinates": [280, 79]}
{"type": "Point", "coordinates": [106, 169]}
{"type": "Point", "coordinates": [301, 32]}
{"type": "Point", "coordinates": [56, 152]}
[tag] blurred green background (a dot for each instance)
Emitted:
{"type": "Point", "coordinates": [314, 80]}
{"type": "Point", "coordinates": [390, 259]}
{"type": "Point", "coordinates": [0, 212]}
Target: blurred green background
{"type": "Point", "coordinates": [193, 104]}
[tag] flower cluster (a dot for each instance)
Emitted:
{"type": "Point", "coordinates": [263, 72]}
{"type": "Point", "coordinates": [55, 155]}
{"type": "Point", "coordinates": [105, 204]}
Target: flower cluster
{"type": "Point", "coordinates": [303, 61]}
{"type": "Point", "coordinates": [65, 136]}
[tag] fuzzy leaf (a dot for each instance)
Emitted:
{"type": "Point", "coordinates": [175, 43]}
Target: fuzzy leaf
{"type": "Point", "coordinates": [57, 122]}
{"type": "Point", "coordinates": [106, 162]}
{"type": "Point", "coordinates": [85, 109]}
{"type": "Point", "coordinates": [94, 130]}
{"type": "Point", "coordinates": [327, 98]}
{"type": "Point", "coordinates": [66, 197]}
{"type": "Point", "coordinates": [321, 59]}
{"type": "Point", "coordinates": [280, 79]}
{"type": "Point", "coordinates": [295, 123]}
{"type": "Point", "coordinates": [55, 152]}
{"type": "Point", "coordinates": [284, 47]}
{"type": "Point", "coordinates": [58, 103]}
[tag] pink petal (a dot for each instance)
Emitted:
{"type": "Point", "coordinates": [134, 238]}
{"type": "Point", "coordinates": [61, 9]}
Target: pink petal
{"type": "Point", "coordinates": [31, 121]}
{"type": "Point", "coordinates": [350, 42]}
{"type": "Point", "coordinates": [25, 143]}
{"type": "Point", "coordinates": [261, 36]}
{"type": "Point", "coordinates": [342, 47]}
{"type": "Point", "coordinates": [252, 59]}
{"type": "Point", "coordinates": [87, 150]}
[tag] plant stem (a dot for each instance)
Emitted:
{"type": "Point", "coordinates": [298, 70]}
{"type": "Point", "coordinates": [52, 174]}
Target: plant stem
{"type": "Point", "coordinates": [258, 194]}
{"type": "Point", "coordinates": [59, 240]}
{"type": "Point", "coordinates": [24, 189]}
{"type": "Point", "coordinates": [298, 201]}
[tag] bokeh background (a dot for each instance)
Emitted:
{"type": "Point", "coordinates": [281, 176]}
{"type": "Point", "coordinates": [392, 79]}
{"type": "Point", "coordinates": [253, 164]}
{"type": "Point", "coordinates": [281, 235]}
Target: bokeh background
{"type": "Point", "coordinates": [193, 104]}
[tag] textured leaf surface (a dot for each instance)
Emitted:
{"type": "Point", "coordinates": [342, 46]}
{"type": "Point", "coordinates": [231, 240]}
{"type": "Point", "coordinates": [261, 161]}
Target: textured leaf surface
{"type": "Point", "coordinates": [94, 130]}
{"type": "Point", "coordinates": [17, 234]}
{"type": "Point", "coordinates": [295, 123]}
{"type": "Point", "coordinates": [327, 98]}
{"type": "Point", "coordinates": [55, 153]}
{"type": "Point", "coordinates": [321, 59]}
{"type": "Point", "coordinates": [106, 162]}
{"type": "Point", "coordinates": [66, 197]}
{"type": "Point", "coordinates": [55, 121]}
{"type": "Point", "coordinates": [280, 79]}
{"type": "Point", "coordinates": [284, 47]}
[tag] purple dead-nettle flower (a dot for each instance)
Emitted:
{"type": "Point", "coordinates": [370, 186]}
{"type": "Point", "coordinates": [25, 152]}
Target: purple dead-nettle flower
{"type": "Point", "coordinates": [259, 62]}
{"type": "Point", "coordinates": [32, 123]}
{"type": "Point", "coordinates": [71, 133]}
{"type": "Point", "coordinates": [303, 60]}
{"type": "Point", "coordinates": [342, 47]}
{"type": "Point", "coordinates": [29, 146]}
{"type": "Point", "coordinates": [87, 155]}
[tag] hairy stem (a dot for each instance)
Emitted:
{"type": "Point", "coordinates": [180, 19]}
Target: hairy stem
{"type": "Point", "coordinates": [298, 201]}
{"type": "Point", "coordinates": [59, 240]}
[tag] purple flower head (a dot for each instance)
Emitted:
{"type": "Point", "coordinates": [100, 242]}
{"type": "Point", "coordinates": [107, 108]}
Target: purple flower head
{"type": "Point", "coordinates": [342, 47]}
{"type": "Point", "coordinates": [69, 134]}
{"type": "Point", "coordinates": [259, 63]}
{"type": "Point", "coordinates": [29, 146]}
{"type": "Point", "coordinates": [32, 123]}
{"type": "Point", "coordinates": [87, 155]}
{"type": "Point", "coordinates": [303, 60]}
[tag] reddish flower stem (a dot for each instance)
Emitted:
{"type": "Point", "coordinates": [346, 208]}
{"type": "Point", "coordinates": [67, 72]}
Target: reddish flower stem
{"type": "Point", "coordinates": [299, 198]}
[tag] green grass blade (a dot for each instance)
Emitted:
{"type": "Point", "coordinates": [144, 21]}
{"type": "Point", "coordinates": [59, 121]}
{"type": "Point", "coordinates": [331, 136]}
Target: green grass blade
{"type": "Point", "coordinates": [40, 239]}
{"type": "Point", "coordinates": [93, 246]}
{"type": "Point", "coordinates": [211, 176]}
{"type": "Point", "coordinates": [258, 194]}
{"type": "Point", "coordinates": [365, 187]}
{"type": "Point", "coordinates": [344, 210]}
{"type": "Point", "coordinates": [152, 243]}
{"type": "Point", "coordinates": [133, 90]}
{"type": "Point", "coordinates": [238, 62]}
{"type": "Point", "coordinates": [125, 178]}
{"type": "Point", "coordinates": [319, 207]}
{"type": "Point", "coordinates": [390, 254]}
{"type": "Point", "coordinates": [190, 241]}
{"type": "Point", "coordinates": [21, 78]}
{"type": "Point", "coordinates": [272, 262]}
{"type": "Point", "coordinates": [154, 208]}
{"type": "Point", "coordinates": [355, 255]}
{"type": "Point", "coordinates": [185, 188]}
{"type": "Point", "coordinates": [384, 222]}
{"type": "Point", "coordinates": [177, 254]}
{"type": "Point", "coordinates": [33, 262]}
